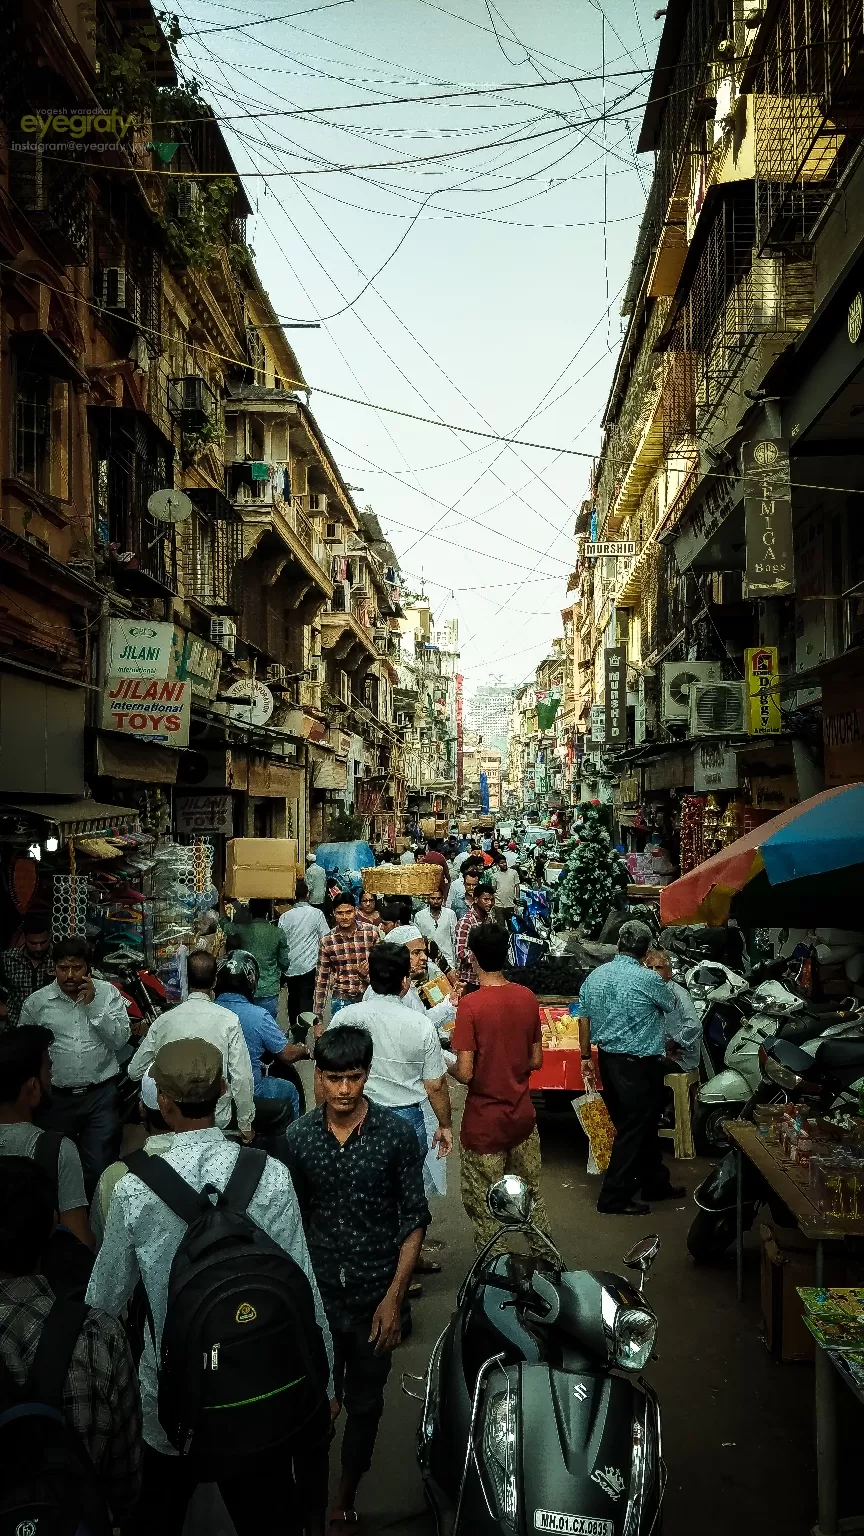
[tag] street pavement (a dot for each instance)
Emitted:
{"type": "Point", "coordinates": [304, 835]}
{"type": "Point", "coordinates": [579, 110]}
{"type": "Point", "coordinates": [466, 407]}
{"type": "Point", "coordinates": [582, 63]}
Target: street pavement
{"type": "Point", "coordinates": [737, 1427]}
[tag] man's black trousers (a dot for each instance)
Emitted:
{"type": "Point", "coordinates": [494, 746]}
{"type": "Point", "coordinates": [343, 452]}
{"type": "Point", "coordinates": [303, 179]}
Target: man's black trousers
{"type": "Point", "coordinates": [633, 1090]}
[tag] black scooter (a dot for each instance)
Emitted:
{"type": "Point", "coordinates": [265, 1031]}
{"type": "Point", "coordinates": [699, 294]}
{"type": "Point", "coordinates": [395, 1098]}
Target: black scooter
{"type": "Point", "coordinates": [534, 1418]}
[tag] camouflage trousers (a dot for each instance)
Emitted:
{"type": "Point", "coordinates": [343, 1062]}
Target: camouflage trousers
{"type": "Point", "coordinates": [481, 1170]}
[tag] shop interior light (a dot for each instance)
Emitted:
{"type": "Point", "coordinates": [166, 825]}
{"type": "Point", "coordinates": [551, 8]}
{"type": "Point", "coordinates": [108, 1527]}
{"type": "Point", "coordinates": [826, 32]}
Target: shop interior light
{"type": "Point", "coordinates": [34, 851]}
{"type": "Point", "coordinates": [52, 844]}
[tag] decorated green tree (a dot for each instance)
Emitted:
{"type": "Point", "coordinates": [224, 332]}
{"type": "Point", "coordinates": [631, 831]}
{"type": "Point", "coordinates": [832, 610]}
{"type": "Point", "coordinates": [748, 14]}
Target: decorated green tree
{"type": "Point", "coordinates": [593, 875]}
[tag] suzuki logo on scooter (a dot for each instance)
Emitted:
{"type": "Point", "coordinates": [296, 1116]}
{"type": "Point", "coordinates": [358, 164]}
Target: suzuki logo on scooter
{"type": "Point", "coordinates": [610, 1480]}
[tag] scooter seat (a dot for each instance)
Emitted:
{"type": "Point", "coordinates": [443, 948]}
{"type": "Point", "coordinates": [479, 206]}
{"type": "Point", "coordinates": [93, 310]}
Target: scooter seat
{"type": "Point", "coordinates": [841, 1053]}
{"type": "Point", "coordinates": [791, 1057]}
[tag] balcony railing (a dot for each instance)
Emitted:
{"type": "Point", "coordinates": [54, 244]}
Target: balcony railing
{"type": "Point", "coordinates": [212, 548]}
{"type": "Point", "coordinates": [131, 461]}
{"type": "Point", "coordinates": [53, 195]}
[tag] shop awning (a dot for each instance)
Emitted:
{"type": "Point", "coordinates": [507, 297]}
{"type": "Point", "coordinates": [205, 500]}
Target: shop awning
{"type": "Point", "coordinates": [76, 817]}
{"type": "Point", "coordinates": [803, 867]}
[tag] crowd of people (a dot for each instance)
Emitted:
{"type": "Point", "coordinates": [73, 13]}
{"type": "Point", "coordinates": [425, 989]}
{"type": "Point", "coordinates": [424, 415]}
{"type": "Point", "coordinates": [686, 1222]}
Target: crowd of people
{"type": "Point", "coordinates": [101, 1267]}
{"type": "Point", "coordinates": [241, 1280]}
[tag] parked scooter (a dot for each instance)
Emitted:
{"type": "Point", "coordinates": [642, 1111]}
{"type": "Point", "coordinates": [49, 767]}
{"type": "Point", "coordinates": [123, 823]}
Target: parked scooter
{"type": "Point", "coordinates": [760, 1014]}
{"type": "Point", "coordinates": [817, 1056]}
{"type": "Point", "coordinates": [534, 1415]}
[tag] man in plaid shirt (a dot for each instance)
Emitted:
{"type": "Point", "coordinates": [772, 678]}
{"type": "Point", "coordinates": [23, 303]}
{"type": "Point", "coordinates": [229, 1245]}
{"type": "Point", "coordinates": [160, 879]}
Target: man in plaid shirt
{"type": "Point", "coordinates": [343, 959]}
{"type": "Point", "coordinates": [480, 912]}
{"type": "Point", "coordinates": [100, 1397]}
{"type": "Point", "coordinates": [28, 967]}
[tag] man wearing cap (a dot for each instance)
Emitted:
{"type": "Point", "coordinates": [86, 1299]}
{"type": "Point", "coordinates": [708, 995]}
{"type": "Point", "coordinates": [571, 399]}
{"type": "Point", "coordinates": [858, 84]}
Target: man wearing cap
{"type": "Point", "coordinates": [200, 1018]}
{"type": "Point", "coordinates": [141, 1238]}
{"type": "Point", "coordinates": [159, 1139]}
{"type": "Point", "coordinates": [316, 881]}
{"type": "Point", "coordinates": [629, 1013]}
{"type": "Point", "coordinates": [26, 967]}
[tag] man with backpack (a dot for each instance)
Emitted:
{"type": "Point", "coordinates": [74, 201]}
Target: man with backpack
{"type": "Point", "coordinates": [25, 1087]}
{"type": "Point", "coordinates": [358, 1172]}
{"type": "Point", "coordinates": [237, 1354]}
{"type": "Point", "coordinates": [71, 1460]}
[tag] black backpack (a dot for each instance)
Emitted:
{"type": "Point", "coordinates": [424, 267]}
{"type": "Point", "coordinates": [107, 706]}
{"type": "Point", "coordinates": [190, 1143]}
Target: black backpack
{"type": "Point", "coordinates": [242, 1366]}
{"type": "Point", "coordinates": [48, 1485]}
{"type": "Point", "coordinates": [65, 1262]}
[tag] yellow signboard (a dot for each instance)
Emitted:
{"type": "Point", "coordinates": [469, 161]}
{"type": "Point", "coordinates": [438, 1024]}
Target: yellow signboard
{"type": "Point", "coordinates": [762, 671]}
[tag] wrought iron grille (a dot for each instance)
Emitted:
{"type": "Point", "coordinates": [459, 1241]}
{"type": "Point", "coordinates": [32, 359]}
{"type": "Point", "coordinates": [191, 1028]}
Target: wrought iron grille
{"type": "Point", "coordinates": [53, 195]}
{"type": "Point", "coordinates": [132, 460]}
{"type": "Point", "coordinates": [808, 91]}
{"type": "Point", "coordinates": [211, 549]}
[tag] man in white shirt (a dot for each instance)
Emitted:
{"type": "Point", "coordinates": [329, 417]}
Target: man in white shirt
{"type": "Point", "coordinates": [141, 1239]}
{"type": "Point", "coordinates": [407, 857]}
{"type": "Point", "coordinates": [90, 1025]}
{"type": "Point", "coordinates": [304, 926]}
{"type": "Point", "coordinates": [408, 1067]}
{"type": "Point", "coordinates": [438, 922]}
{"type": "Point", "coordinates": [200, 1018]}
{"type": "Point", "coordinates": [316, 881]}
{"type": "Point", "coordinates": [684, 1032]}
{"type": "Point", "coordinates": [505, 882]}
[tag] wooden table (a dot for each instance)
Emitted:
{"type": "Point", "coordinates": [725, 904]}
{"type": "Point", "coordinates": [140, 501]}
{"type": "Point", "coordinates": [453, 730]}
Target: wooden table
{"type": "Point", "coordinates": [792, 1184]}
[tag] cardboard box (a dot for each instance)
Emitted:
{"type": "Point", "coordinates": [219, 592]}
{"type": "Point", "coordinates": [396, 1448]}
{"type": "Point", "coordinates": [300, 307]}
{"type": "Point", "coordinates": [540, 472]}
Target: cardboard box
{"type": "Point", "coordinates": [783, 1270]}
{"type": "Point", "coordinates": [260, 866]}
{"type": "Point", "coordinates": [435, 991]}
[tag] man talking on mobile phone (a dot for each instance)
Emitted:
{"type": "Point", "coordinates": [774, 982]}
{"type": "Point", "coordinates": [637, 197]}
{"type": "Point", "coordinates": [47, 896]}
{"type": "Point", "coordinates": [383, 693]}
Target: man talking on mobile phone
{"type": "Point", "coordinates": [90, 1025]}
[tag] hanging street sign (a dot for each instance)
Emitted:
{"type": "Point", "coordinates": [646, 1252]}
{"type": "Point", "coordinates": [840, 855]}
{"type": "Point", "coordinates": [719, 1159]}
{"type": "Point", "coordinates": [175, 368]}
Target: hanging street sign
{"type": "Point", "coordinates": [620, 550]}
{"type": "Point", "coordinates": [615, 657]}
{"type": "Point", "coordinates": [770, 567]}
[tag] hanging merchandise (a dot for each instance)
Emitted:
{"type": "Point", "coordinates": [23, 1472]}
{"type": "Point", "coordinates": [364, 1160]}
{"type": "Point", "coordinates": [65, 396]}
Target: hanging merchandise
{"type": "Point", "coordinates": [182, 889]}
{"type": "Point", "coordinates": [711, 826]}
{"type": "Point", "coordinates": [69, 909]}
{"type": "Point", "coordinates": [730, 824]}
{"type": "Point", "coordinates": [692, 832]}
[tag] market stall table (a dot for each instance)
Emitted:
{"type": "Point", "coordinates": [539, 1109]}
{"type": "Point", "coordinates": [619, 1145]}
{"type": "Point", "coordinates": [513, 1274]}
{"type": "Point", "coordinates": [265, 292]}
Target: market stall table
{"type": "Point", "coordinates": [791, 1183]}
{"type": "Point", "coordinates": [831, 1363]}
{"type": "Point", "coordinates": [562, 1060]}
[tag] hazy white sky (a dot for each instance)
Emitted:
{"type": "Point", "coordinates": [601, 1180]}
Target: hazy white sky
{"type": "Point", "coordinates": [500, 311]}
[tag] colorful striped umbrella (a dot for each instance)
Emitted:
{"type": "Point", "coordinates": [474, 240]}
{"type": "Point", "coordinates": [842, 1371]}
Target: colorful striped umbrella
{"type": "Point", "coordinates": [802, 868]}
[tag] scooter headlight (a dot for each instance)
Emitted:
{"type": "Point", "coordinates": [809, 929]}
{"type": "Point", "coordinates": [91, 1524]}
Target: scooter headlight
{"type": "Point", "coordinates": [499, 1455]}
{"type": "Point", "coordinates": [634, 1330]}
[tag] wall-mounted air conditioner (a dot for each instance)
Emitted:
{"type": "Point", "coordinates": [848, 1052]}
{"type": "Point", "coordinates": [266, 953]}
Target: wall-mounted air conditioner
{"type": "Point", "coordinates": [115, 289]}
{"type": "Point", "coordinates": [678, 680]}
{"type": "Point", "coordinates": [718, 709]}
{"type": "Point", "coordinates": [223, 632]}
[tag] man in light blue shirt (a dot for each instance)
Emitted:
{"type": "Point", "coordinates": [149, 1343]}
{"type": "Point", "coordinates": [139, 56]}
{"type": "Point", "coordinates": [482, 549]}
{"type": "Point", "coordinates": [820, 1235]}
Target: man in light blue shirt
{"type": "Point", "coordinates": [628, 1012]}
{"type": "Point", "coordinates": [236, 981]}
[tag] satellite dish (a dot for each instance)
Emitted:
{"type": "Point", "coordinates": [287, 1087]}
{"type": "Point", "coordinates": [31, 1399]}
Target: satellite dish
{"type": "Point", "coordinates": [169, 506]}
{"type": "Point", "coordinates": [254, 704]}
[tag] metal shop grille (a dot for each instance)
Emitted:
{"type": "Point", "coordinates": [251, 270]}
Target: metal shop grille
{"type": "Point", "coordinates": [808, 93]}
{"type": "Point", "coordinates": [211, 549]}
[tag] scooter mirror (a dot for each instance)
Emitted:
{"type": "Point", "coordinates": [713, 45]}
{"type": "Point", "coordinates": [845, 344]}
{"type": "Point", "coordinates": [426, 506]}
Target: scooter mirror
{"type": "Point", "coordinates": [642, 1255]}
{"type": "Point", "coordinates": [510, 1201]}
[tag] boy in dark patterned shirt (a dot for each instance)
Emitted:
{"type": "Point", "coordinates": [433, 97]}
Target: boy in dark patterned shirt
{"type": "Point", "coordinates": [358, 1175]}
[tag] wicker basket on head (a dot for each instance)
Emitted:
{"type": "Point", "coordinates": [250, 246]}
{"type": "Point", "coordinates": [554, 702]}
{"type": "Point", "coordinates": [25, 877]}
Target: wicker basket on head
{"type": "Point", "coordinates": [402, 879]}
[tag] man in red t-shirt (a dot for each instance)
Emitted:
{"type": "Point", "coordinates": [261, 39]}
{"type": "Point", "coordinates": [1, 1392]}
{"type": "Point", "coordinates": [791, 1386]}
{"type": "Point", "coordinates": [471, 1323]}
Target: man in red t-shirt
{"type": "Point", "coordinates": [496, 1038]}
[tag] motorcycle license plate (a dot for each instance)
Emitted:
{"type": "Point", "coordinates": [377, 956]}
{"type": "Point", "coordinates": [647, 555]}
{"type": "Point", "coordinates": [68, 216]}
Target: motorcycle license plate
{"type": "Point", "coordinates": [572, 1525]}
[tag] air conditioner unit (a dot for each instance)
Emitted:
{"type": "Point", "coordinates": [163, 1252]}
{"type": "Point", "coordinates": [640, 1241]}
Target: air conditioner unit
{"type": "Point", "coordinates": [115, 289]}
{"type": "Point", "coordinates": [344, 688]}
{"type": "Point", "coordinates": [318, 503]}
{"type": "Point", "coordinates": [678, 680]}
{"type": "Point", "coordinates": [718, 709]}
{"type": "Point", "coordinates": [223, 632]}
{"type": "Point", "coordinates": [277, 675]}
{"type": "Point", "coordinates": [332, 533]}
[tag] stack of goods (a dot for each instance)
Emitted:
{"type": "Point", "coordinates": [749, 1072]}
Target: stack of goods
{"type": "Point", "coordinates": [559, 1029]}
{"type": "Point", "coordinates": [402, 879]}
{"type": "Point", "coordinates": [182, 890]}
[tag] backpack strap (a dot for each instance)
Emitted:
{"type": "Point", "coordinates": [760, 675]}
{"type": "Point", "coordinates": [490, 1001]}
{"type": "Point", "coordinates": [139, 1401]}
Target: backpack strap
{"type": "Point", "coordinates": [245, 1178]}
{"type": "Point", "coordinates": [60, 1332]}
{"type": "Point", "coordinates": [166, 1183]}
{"type": "Point", "coordinates": [47, 1154]}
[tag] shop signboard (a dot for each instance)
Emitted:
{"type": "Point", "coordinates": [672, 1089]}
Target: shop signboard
{"type": "Point", "coordinates": [843, 724]}
{"type": "Point", "coordinates": [201, 664]}
{"type": "Point", "coordinates": [148, 709]}
{"type": "Point", "coordinates": [769, 563]}
{"type": "Point", "coordinates": [204, 813]}
{"type": "Point", "coordinates": [615, 660]}
{"type": "Point", "coordinates": [621, 549]}
{"type": "Point", "coordinates": [715, 766]}
{"type": "Point", "coordinates": [137, 648]}
{"type": "Point", "coordinates": [762, 671]}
